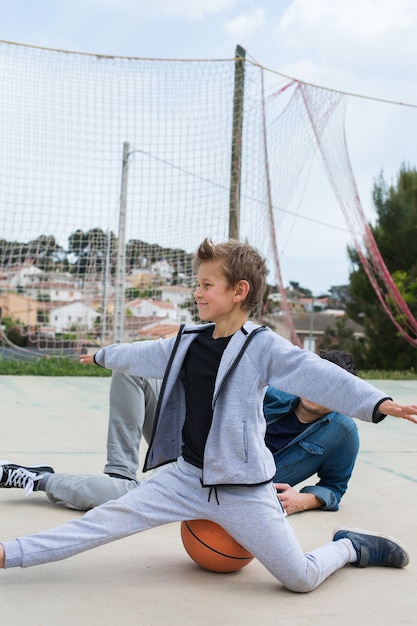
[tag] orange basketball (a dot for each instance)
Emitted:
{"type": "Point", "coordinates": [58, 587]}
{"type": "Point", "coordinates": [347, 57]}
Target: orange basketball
{"type": "Point", "coordinates": [209, 545]}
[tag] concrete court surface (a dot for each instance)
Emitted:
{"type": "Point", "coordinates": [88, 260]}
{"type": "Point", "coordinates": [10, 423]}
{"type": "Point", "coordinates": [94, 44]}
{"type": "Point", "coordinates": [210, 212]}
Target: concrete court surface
{"type": "Point", "coordinates": [148, 579]}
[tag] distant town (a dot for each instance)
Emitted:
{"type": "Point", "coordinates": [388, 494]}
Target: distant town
{"type": "Point", "coordinates": [59, 310]}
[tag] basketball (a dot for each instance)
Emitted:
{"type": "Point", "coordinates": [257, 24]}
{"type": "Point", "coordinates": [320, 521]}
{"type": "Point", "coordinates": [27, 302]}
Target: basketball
{"type": "Point", "coordinates": [211, 547]}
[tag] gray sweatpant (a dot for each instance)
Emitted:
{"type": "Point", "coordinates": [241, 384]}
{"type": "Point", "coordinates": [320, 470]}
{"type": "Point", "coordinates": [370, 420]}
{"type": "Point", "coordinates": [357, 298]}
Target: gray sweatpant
{"type": "Point", "coordinates": [132, 406]}
{"type": "Point", "coordinates": [252, 515]}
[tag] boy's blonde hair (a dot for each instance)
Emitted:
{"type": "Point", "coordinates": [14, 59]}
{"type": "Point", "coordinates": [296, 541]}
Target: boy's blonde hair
{"type": "Point", "coordinates": [240, 261]}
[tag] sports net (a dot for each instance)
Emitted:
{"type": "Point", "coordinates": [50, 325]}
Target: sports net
{"type": "Point", "coordinates": [332, 146]}
{"type": "Point", "coordinates": [112, 171]}
{"type": "Point", "coordinates": [65, 122]}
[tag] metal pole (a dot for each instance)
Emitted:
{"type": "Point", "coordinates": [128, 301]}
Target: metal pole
{"type": "Point", "coordinates": [105, 292]}
{"type": "Point", "coordinates": [236, 160]}
{"type": "Point", "coordinates": [119, 306]}
{"type": "Point", "coordinates": [311, 335]}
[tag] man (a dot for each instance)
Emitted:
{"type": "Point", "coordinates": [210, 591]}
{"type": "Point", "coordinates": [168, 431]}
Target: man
{"type": "Point", "coordinates": [305, 439]}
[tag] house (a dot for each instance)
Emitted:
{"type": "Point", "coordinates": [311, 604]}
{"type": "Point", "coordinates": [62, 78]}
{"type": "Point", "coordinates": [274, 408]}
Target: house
{"type": "Point", "coordinates": [55, 291]}
{"type": "Point", "coordinates": [319, 303]}
{"type": "Point", "coordinates": [157, 309]}
{"type": "Point", "coordinates": [72, 316]}
{"type": "Point", "coordinates": [140, 279]}
{"type": "Point", "coordinates": [19, 308]}
{"type": "Point", "coordinates": [163, 269]}
{"type": "Point", "coordinates": [176, 294]}
{"type": "Point", "coordinates": [27, 274]}
{"type": "Point", "coordinates": [159, 331]}
{"type": "Point", "coordinates": [310, 327]}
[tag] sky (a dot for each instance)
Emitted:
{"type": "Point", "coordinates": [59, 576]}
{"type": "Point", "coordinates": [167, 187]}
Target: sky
{"type": "Point", "coordinates": [365, 48]}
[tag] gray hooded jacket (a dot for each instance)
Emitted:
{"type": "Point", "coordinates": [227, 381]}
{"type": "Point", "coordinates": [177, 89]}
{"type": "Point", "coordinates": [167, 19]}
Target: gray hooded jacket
{"type": "Point", "coordinates": [235, 451]}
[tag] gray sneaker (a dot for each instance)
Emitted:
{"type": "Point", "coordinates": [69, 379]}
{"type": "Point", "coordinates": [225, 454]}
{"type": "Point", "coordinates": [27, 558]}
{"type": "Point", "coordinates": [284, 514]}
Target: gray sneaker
{"type": "Point", "coordinates": [374, 548]}
{"type": "Point", "coordinates": [22, 476]}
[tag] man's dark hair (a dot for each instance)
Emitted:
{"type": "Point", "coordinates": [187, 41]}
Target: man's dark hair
{"type": "Point", "coordinates": [341, 358]}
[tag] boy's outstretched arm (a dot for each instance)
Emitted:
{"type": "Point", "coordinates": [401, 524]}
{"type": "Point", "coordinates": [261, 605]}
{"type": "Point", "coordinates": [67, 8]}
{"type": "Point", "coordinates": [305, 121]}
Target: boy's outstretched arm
{"type": "Point", "coordinates": [389, 407]}
{"type": "Point", "coordinates": [87, 359]}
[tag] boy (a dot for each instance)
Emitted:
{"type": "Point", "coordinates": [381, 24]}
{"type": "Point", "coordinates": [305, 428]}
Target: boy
{"type": "Point", "coordinates": [210, 420]}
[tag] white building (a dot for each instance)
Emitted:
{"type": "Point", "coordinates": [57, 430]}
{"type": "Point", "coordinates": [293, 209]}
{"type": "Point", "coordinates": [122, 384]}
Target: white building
{"type": "Point", "coordinates": [158, 309]}
{"type": "Point", "coordinates": [75, 315]}
{"type": "Point", "coordinates": [52, 291]}
{"type": "Point", "coordinates": [176, 294]}
{"type": "Point", "coordinates": [26, 275]}
{"type": "Point", "coordinates": [163, 269]}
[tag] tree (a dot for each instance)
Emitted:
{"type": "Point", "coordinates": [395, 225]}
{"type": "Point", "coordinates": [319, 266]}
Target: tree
{"type": "Point", "coordinates": [342, 337]}
{"type": "Point", "coordinates": [46, 252]}
{"type": "Point", "coordinates": [395, 234]}
{"type": "Point", "coordinates": [90, 250]}
{"type": "Point", "coordinates": [14, 331]}
{"type": "Point", "coordinates": [43, 251]}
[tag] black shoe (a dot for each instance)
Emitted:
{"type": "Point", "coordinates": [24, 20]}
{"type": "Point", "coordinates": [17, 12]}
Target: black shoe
{"type": "Point", "coordinates": [374, 548]}
{"type": "Point", "coordinates": [23, 476]}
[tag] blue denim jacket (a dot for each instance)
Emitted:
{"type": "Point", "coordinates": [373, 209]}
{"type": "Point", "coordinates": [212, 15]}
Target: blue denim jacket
{"type": "Point", "coordinates": [328, 448]}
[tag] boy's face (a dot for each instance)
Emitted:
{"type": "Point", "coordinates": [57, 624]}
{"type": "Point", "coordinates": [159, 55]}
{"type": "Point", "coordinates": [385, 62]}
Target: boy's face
{"type": "Point", "coordinates": [214, 297]}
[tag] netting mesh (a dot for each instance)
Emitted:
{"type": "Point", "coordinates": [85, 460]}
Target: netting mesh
{"type": "Point", "coordinates": [64, 121]}
{"type": "Point", "coordinates": [112, 170]}
{"type": "Point", "coordinates": [332, 145]}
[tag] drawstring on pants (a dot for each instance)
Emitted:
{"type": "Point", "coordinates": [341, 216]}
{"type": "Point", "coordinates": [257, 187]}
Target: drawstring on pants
{"type": "Point", "coordinates": [211, 489]}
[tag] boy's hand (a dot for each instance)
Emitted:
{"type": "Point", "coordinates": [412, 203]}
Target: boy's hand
{"type": "Point", "coordinates": [87, 359]}
{"type": "Point", "coordinates": [388, 407]}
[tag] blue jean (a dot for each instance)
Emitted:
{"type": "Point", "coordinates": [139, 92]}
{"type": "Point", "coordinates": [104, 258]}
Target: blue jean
{"type": "Point", "coordinates": [328, 448]}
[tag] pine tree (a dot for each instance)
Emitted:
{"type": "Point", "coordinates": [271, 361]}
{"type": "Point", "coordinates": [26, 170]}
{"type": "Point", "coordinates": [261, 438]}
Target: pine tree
{"type": "Point", "coordinates": [395, 233]}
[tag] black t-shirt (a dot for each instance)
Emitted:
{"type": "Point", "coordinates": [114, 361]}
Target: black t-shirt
{"type": "Point", "coordinates": [284, 430]}
{"type": "Point", "coordinates": [199, 375]}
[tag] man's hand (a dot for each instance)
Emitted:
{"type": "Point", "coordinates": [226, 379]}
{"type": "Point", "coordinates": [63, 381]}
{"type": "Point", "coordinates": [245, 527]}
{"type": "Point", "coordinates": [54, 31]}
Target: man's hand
{"type": "Point", "coordinates": [87, 359]}
{"type": "Point", "coordinates": [293, 501]}
{"type": "Point", "coordinates": [388, 407]}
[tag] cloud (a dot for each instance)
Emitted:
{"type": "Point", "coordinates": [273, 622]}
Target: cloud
{"type": "Point", "coordinates": [366, 19]}
{"type": "Point", "coordinates": [360, 46]}
{"type": "Point", "coordinates": [246, 24]}
{"type": "Point", "coordinates": [186, 9]}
